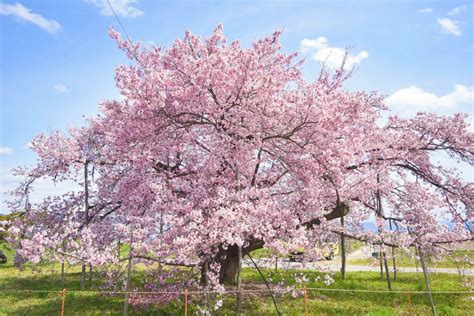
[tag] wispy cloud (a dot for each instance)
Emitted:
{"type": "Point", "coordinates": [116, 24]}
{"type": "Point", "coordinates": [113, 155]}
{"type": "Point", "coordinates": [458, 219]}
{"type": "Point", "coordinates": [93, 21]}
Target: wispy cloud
{"type": "Point", "coordinates": [61, 88]}
{"type": "Point", "coordinates": [124, 8]}
{"type": "Point", "coordinates": [425, 10]}
{"type": "Point", "coordinates": [42, 188]}
{"type": "Point", "coordinates": [331, 56]}
{"type": "Point", "coordinates": [24, 14]}
{"type": "Point", "coordinates": [6, 150]}
{"type": "Point", "coordinates": [449, 26]}
{"type": "Point", "coordinates": [417, 99]}
{"type": "Point", "coordinates": [457, 10]}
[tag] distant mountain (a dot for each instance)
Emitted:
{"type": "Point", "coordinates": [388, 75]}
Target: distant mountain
{"type": "Point", "coordinates": [370, 226]}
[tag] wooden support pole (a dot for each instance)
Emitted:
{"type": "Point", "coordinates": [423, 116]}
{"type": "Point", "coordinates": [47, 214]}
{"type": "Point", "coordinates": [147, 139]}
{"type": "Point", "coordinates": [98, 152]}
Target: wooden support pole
{"type": "Point", "coordinates": [62, 273]}
{"type": "Point", "coordinates": [387, 272]}
{"type": "Point", "coordinates": [410, 307]}
{"type": "Point", "coordinates": [90, 275]}
{"type": "Point", "coordinates": [379, 212]}
{"type": "Point", "coordinates": [343, 251]}
{"type": "Point", "coordinates": [416, 261]}
{"type": "Point", "coordinates": [427, 281]}
{"type": "Point", "coordinates": [306, 302]}
{"type": "Point", "coordinates": [62, 264]}
{"type": "Point", "coordinates": [266, 283]}
{"type": "Point", "coordinates": [63, 299]}
{"type": "Point", "coordinates": [206, 279]}
{"type": "Point", "coordinates": [381, 262]}
{"type": "Point", "coordinates": [83, 277]}
{"type": "Point", "coordinates": [239, 283]}
{"type": "Point", "coordinates": [186, 302]}
{"type": "Point", "coordinates": [129, 271]}
{"type": "Point", "coordinates": [86, 212]}
{"type": "Point", "coordinates": [393, 254]}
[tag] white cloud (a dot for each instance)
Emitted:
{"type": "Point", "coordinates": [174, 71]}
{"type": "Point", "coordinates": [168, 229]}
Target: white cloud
{"type": "Point", "coordinates": [124, 8]}
{"type": "Point", "coordinates": [331, 56]}
{"type": "Point", "coordinates": [457, 10]}
{"type": "Point", "coordinates": [426, 10]}
{"type": "Point", "coordinates": [416, 99]}
{"type": "Point", "coordinates": [449, 26]}
{"type": "Point", "coordinates": [24, 14]}
{"type": "Point", "coordinates": [6, 150]}
{"type": "Point", "coordinates": [61, 88]}
{"type": "Point", "coordinates": [42, 188]}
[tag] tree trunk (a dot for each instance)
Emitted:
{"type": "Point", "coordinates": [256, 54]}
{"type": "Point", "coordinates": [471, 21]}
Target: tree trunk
{"type": "Point", "coordinates": [229, 265]}
{"type": "Point", "coordinates": [229, 258]}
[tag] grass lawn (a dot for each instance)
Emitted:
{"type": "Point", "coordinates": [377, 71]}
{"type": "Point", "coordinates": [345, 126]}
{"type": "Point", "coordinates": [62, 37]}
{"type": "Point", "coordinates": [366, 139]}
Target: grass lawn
{"type": "Point", "coordinates": [406, 260]}
{"type": "Point", "coordinates": [47, 277]}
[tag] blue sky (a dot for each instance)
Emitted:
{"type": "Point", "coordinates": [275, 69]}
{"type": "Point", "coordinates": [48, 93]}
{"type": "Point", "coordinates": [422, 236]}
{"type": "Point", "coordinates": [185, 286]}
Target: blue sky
{"type": "Point", "coordinates": [57, 60]}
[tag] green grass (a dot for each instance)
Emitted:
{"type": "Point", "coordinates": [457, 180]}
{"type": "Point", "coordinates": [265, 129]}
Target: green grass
{"type": "Point", "coordinates": [356, 303]}
{"type": "Point", "coordinates": [47, 277]}
{"type": "Point", "coordinates": [406, 260]}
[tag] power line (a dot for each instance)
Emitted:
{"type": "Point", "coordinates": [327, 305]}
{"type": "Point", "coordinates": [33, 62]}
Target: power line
{"type": "Point", "coordinates": [126, 35]}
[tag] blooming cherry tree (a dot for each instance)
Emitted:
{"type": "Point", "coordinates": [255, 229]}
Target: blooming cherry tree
{"type": "Point", "coordinates": [214, 146]}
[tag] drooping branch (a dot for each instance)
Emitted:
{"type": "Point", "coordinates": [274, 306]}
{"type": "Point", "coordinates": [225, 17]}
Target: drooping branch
{"type": "Point", "coordinates": [341, 209]}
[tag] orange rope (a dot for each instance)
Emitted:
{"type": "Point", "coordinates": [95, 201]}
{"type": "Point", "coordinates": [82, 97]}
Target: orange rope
{"type": "Point", "coordinates": [233, 291]}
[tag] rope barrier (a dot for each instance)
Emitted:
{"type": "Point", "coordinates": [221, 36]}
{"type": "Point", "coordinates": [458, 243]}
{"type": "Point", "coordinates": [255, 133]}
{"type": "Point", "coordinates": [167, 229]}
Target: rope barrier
{"type": "Point", "coordinates": [234, 291]}
{"type": "Point", "coordinates": [188, 293]}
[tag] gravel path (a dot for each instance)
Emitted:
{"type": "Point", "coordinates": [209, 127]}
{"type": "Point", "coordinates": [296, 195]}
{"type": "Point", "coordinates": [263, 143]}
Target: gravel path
{"type": "Point", "coordinates": [335, 265]}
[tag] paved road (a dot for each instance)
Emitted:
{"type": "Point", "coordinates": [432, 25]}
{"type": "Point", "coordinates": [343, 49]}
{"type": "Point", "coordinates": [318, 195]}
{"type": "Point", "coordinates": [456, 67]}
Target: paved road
{"type": "Point", "coordinates": [335, 265]}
